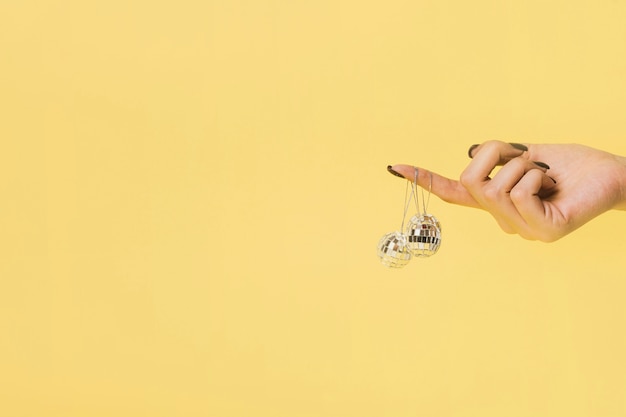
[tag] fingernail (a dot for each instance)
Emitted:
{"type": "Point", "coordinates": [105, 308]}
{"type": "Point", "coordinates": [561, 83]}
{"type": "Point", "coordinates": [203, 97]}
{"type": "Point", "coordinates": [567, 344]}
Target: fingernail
{"type": "Point", "coordinates": [397, 174]}
{"type": "Point", "coordinates": [471, 148]}
{"type": "Point", "coordinates": [519, 146]}
{"type": "Point", "coordinates": [542, 164]}
{"type": "Point", "coordinates": [552, 179]}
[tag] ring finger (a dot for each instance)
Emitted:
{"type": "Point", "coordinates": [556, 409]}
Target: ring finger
{"type": "Point", "coordinates": [496, 193]}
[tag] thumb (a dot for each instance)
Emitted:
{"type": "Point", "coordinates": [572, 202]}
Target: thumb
{"type": "Point", "coordinates": [448, 190]}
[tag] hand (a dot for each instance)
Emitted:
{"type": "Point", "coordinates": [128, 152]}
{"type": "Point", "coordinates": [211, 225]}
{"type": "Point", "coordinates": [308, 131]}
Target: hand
{"type": "Point", "coordinates": [542, 192]}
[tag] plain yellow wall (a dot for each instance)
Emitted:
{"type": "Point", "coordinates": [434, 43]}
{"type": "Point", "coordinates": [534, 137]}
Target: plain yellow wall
{"type": "Point", "coordinates": [192, 193]}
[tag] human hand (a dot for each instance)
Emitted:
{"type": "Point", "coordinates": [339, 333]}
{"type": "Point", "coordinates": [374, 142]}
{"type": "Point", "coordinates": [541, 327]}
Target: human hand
{"type": "Point", "coordinates": [542, 192]}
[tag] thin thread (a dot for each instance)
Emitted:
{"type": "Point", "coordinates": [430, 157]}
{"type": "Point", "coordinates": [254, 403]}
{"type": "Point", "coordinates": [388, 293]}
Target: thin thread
{"type": "Point", "coordinates": [425, 202]}
{"type": "Point", "coordinates": [407, 203]}
{"type": "Point", "coordinates": [416, 195]}
{"type": "Point", "coordinates": [430, 188]}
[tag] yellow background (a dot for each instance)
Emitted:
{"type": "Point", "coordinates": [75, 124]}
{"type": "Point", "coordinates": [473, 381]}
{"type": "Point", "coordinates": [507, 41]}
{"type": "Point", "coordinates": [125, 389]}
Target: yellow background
{"type": "Point", "coordinates": [192, 193]}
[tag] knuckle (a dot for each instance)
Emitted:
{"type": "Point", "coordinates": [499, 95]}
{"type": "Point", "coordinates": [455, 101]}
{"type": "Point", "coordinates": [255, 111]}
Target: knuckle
{"type": "Point", "coordinates": [464, 179]}
{"type": "Point", "coordinates": [492, 146]}
{"type": "Point", "coordinates": [492, 193]}
{"type": "Point", "coordinates": [492, 143]}
{"type": "Point", "coordinates": [467, 179]}
{"type": "Point", "coordinates": [518, 194]}
{"type": "Point", "coordinates": [519, 162]}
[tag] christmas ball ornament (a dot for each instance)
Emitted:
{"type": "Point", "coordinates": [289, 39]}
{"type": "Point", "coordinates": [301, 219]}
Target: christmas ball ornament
{"type": "Point", "coordinates": [423, 235]}
{"type": "Point", "coordinates": [420, 238]}
{"type": "Point", "coordinates": [393, 250]}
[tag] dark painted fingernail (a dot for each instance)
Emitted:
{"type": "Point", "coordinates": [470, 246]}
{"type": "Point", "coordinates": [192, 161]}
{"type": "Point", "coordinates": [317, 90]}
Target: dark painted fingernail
{"type": "Point", "coordinates": [471, 148]}
{"type": "Point", "coordinates": [552, 179]}
{"type": "Point", "coordinates": [542, 164]}
{"type": "Point", "coordinates": [519, 146]}
{"type": "Point", "coordinates": [397, 174]}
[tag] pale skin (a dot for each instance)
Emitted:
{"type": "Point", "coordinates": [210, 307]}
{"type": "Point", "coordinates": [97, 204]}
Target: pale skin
{"type": "Point", "coordinates": [524, 196]}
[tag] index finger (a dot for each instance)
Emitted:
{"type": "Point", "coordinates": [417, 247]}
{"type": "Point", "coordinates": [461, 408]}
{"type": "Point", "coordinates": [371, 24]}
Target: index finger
{"type": "Point", "coordinates": [448, 190]}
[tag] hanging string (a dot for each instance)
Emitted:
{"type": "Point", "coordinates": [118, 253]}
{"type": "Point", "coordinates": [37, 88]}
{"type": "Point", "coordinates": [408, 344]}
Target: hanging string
{"type": "Point", "coordinates": [430, 188]}
{"type": "Point", "coordinates": [416, 195]}
{"type": "Point", "coordinates": [407, 203]}
{"type": "Point", "coordinates": [426, 202]}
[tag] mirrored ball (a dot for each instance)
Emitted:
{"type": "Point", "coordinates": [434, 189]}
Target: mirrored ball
{"type": "Point", "coordinates": [393, 250]}
{"type": "Point", "coordinates": [423, 235]}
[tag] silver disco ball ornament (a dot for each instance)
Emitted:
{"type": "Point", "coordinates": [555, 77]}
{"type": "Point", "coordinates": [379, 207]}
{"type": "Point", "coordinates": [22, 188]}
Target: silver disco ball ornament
{"type": "Point", "coordinates": [393, 250]}
{"type": "Point", "coordinates": [423, 234]}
